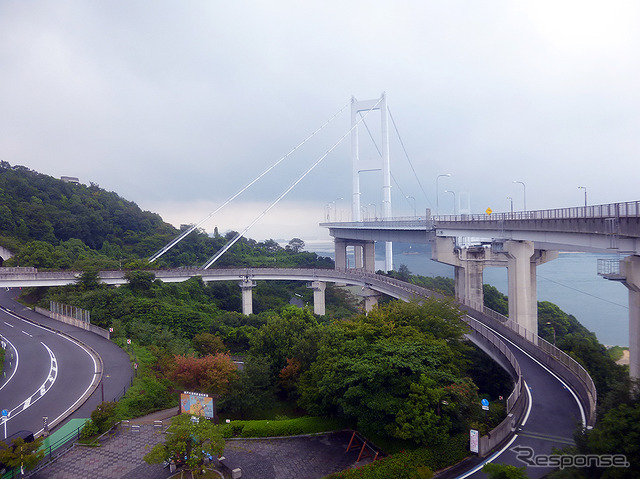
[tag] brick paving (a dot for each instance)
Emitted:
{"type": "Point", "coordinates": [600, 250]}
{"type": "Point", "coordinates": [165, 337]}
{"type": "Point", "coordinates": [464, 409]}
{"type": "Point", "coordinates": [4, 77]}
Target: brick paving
{"type": "Point", "coordinates": [312, 457]}
{"type": "Point", "coordinates": [121, 452]}
{"type": "Point", "coordinates": [120, 456]}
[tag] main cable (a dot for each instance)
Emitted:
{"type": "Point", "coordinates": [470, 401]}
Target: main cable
{"type": "Point", "coordinates": [229, 244]}
{"type": "Point", "coordinates": [185, 233]}
{"type": "Point", "coordinates": [407, 155]}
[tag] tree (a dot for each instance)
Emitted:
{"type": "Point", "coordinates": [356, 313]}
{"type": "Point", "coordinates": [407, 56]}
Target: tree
{"type": "Point", "coordinates": [404, 272]}
{"type": "Point", "coordinates": [504, 471]}
{"type": "Point", "coordinates": [207, 343]}
{"type": "Point", "coordinates": [296, 245]}
{"type": "Point", "coordinates": [253, 391]}
{"type": "Point", "coordinates": [89, 279]}
{"type": "Point", "coordinates": [211, 374]}
{"type": "Point", "coordinates": [140, 281]}
{"type": "Point", "coordinates": [192, 439]}
{"type": "Point", "coordinates": [20, 454]}
{"type": "Point", "coordinates": [365, 369]}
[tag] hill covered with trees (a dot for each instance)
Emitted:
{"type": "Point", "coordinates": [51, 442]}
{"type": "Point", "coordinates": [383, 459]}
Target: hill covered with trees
{"type": "Point", "coordinates": [50, 223]}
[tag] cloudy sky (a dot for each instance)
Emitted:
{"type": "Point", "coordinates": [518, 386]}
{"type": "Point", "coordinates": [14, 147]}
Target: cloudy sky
{"type": "Point", "coordinates": [178, 105]}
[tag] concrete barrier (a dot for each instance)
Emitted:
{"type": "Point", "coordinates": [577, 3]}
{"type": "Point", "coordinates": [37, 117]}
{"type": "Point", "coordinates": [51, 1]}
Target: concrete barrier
{"type": "Point", "coordinates": [74, 322]}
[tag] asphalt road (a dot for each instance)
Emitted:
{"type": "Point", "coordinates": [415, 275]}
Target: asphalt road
{"type": "Point", "coordinates": [552, 419]}
{"type": "Point", "coordinates": [64, 368]}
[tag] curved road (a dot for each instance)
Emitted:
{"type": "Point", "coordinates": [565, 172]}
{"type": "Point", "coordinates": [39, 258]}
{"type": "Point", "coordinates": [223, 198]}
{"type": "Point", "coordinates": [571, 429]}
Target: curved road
{"type": "Point", "coordinates": [51, 372]}
{"type": "Point", "coordinates": [553, 416]}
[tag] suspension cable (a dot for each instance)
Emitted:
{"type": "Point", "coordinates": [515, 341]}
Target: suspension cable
{"type": "Point", "coordinates": [229, 244]}
{"type": "Point", "coordinates": [185, 233]}
{"type": "Point", "coordinates": [407, 155]}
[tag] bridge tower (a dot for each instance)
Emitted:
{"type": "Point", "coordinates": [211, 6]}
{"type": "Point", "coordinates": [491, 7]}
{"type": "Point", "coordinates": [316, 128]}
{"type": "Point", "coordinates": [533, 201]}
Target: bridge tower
{"type": "Point", "coordinates": [382, 162]}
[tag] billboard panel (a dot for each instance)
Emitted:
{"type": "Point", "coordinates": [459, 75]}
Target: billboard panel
{"type": "Point", "coordinates": [196, 404]}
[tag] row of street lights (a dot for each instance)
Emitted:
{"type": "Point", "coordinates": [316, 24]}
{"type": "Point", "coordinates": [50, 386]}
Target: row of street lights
{"type": "Point", "coordinates": [444, 175]}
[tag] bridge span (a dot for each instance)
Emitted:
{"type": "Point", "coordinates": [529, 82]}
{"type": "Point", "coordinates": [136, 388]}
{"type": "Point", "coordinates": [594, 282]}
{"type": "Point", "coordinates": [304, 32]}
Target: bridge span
{"type": "Point", "coordinates": [520, 242]}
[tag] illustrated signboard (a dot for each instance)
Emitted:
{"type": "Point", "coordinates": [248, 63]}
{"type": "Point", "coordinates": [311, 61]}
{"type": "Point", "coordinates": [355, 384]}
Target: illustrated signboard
{"type": "Point", "coordinates": [197, 404]}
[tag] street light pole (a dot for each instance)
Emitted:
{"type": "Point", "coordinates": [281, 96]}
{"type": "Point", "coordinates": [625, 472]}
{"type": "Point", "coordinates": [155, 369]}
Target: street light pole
{"type": "Point", "coordinates": [414, 204]}
{"type": "Point", "coordinates": [335, 208]}
{"type": "Point", "coordinates": [437, 193]}
{"type": "Point", "coordinates": [585, 193]}
{"type": "Point", "coordinates": [511, 199]}
{"type": "Point", "coordinates": [454, 200]}
{"type": "Point", "coordinates": [524, 193]}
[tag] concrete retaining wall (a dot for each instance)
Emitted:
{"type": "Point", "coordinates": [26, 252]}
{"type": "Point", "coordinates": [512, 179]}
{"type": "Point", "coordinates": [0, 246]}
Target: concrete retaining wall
{"type": "Point", "coordinates": [74, 322]}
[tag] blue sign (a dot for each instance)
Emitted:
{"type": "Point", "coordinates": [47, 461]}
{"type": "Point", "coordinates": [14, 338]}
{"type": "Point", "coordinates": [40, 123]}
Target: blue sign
{"type": "Point", "coordinates": [485, 402]}
{"type": "Point", "coordinates": [5, 413]}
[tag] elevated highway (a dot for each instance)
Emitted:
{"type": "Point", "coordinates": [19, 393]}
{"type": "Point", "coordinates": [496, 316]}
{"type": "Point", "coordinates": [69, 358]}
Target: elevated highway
{"type": "Point", "coordinates": [519, 241]}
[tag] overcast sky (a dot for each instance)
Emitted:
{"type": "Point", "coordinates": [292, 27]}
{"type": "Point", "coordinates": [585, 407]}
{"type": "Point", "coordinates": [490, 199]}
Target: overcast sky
{"type": "Point", "coordinates": [178, 105]}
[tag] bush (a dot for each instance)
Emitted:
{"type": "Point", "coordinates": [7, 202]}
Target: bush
{"type": "Point", "coordinates": [286, 427]}
{"type": "Point", "coordinates": [103, 417]}
{"type": "Point", "coordinates": [89, 430]}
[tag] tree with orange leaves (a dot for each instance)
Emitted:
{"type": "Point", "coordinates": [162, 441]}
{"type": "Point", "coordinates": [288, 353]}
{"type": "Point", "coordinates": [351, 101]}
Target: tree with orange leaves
{"type": "Point", "coordinates": [210, 374]}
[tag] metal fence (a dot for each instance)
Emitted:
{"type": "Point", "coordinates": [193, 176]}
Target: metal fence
{"type": "Point", "coordinates": [70, 311]}
{"type": "Point", "coordinates": [630, 209]}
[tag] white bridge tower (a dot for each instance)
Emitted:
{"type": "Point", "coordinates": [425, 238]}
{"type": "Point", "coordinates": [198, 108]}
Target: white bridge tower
{"type": "Point", "coordinates": [372, 164]}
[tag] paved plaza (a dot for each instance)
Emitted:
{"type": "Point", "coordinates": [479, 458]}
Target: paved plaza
{"type": "Point", "coordinates": [121, 452]}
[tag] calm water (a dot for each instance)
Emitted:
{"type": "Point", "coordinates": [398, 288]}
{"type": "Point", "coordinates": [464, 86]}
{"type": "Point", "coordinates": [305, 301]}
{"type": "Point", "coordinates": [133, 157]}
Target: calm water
{"type": "Point", "coordinates": [571, 282]}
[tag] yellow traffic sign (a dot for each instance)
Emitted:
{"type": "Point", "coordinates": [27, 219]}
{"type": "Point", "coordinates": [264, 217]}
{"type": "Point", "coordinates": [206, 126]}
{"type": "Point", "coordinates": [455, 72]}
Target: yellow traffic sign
{"type": "Point", "coordinates": [489, 211]}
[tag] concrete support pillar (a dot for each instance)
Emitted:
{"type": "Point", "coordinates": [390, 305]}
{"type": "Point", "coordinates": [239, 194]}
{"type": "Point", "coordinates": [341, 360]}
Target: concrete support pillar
{"type": "Point", "coordinates": [340, 246]}
{"type": "Point", "coordinates": [523, 307]}
{"type": "Point", "coordinates": [469, 266]}
{"type": "Point", "coordinates": [370, 256]}
{"type": "Point", "coordinates": [370, 299]}
{"type": "Point", "coordinates": [247, 286]}
{"type": "Point", "coordinates": [318, 296]}
{"type": "Point", "coordinates": [358, 255]}
{"type": "Point", "coordinates": [468, 283]}
{"type": "Point", "coordinates": [630, 269]}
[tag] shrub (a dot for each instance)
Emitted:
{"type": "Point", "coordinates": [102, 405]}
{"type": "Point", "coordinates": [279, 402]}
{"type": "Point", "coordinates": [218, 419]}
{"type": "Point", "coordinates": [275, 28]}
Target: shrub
{"type": "Point", "coordinates": [286, 427]}
{"type": "Point", "coordinates": [89, 430]}
{"type": "Point", "coordinates": [103, 416]}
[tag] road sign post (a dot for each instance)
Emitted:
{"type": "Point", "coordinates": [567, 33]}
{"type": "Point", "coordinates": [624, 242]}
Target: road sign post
{"type": "Point", "coordinates": [5, 418]}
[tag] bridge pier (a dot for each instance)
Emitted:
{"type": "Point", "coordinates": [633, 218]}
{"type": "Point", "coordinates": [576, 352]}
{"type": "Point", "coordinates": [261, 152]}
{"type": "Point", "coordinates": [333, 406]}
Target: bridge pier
{"type": "Point", "coordinates": [630, 270]}
{"type": "Point", "coordinates": [370, 299]}
{"type": "Point", "coordinates": [247, 286]}
{"type": "Point", "coordinates": [364, 253]}
{"type": "Point", "coordinates": [469, 264]}
{"type": "Point", "coordinates": [522, 260]}
{"type": "Point", "coordinates": [318, 297]}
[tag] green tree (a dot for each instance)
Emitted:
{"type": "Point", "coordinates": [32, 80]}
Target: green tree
{"type": "Point", "coordinates": [20, 454]}
{"type": "Point", "coordinates": [140, 282]}
{"type": "Point", "coordinates": [207, 343]}
{"type": "Point", "coordinates": [504, 471]}
{"type": "Point", "coordinates": [252, 392]}
{"type": "Point", "coordinates": [366, 367]}
{"type": "Point", "coordinates": [88, 280]}
{"type": "Point", "coordinates": [296, 245]}
{"type": "Point", "coordinates": [191, 437]}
